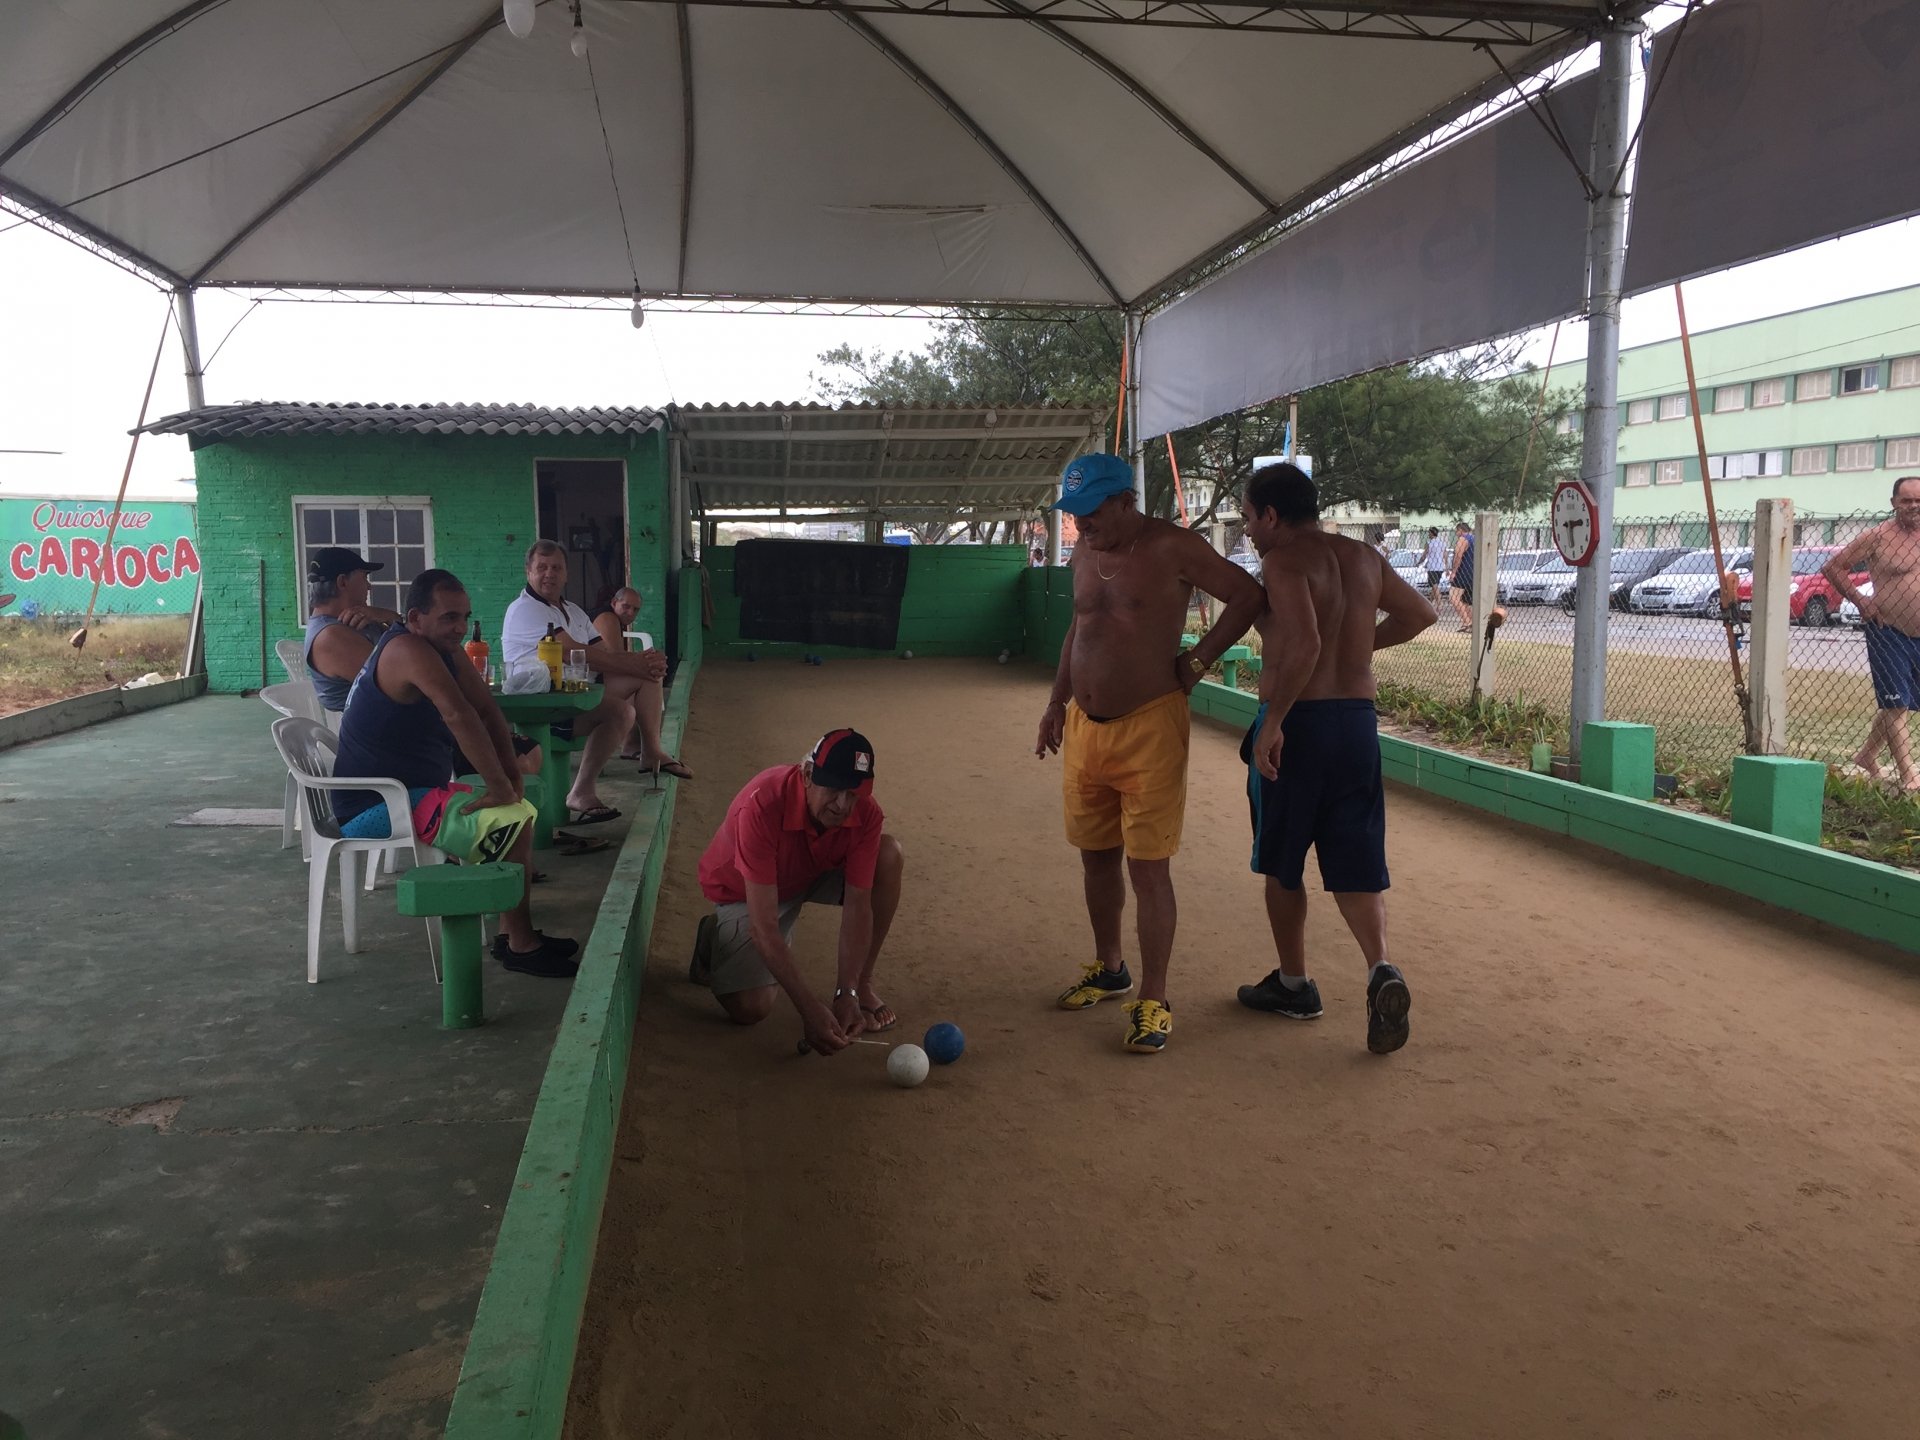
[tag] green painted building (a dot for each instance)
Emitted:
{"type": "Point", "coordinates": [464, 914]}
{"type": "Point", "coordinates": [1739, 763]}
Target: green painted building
{"type": "Point", "coordinates": [462, 487]}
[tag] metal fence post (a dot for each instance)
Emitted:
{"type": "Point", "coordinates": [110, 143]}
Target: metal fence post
{"type": "Point", "coordinates": [1486, 594]}
{"type": "Point", "coordinates": [1767, 660]}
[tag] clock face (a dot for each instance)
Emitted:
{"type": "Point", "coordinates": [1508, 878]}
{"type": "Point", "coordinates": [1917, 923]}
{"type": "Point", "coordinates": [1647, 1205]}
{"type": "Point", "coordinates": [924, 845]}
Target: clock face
{"type": "Point", "coordinates": [1573, 522]}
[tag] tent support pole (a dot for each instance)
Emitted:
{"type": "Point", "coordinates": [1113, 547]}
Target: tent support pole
{"type": "Point", "coordinates": [190, 346]}
{"type": "Point", "coordinates": [1600, 433]}
{"type": "Point", "coordinates": [1053, 536]}
{"type": "Point", "coordinates": [1135, 454]}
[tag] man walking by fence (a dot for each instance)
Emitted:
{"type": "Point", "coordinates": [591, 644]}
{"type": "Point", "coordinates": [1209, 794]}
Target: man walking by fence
{"type": "Point", "coordinates": [1436, 562]}
{"type": "Point", "coordinates": [1462, 595]}
{"type": "Point", "coordinates": [1890, 554]}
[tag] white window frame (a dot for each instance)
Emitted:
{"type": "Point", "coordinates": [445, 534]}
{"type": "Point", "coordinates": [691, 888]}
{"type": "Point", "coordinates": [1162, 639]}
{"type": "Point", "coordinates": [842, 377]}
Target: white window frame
{"type": "Point", "coordinates": [1669, 472]}
{"type": "Point", "coordinates": [1903, 452]}
{"type": "Point", "coordinates": [1903, 373]}
{"type": "Point", "coordinates": [1640, 412]}
{"type": "Point", "coordinates": [1764, 396]}
{"type": "Point", "coordinates": [362, 503]}
{"type": "Point", "coordinates": [1869, 373]}
{"type": "Point", "coordinates": [1825, 377]}
{"type": "Point", "coordinates": [1839, 456]}
{"type": "Point", "coordinates": [1674, 407]}
{"type": "Point", "coordinates": [1639, 473]}
{"type": "Point", "coordinates": [1729, 398]}
{"type": "Point", "coordinates": [1809, 454]}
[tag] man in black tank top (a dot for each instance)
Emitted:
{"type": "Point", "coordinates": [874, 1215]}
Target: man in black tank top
{"type": "Point", "coordinates": [416, 704]}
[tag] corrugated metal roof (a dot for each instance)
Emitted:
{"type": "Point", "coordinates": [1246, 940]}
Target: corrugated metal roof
{"type": "Point", "coordinates": [877, 459]}
{"type": "Point", "coordinates": [260, 417]}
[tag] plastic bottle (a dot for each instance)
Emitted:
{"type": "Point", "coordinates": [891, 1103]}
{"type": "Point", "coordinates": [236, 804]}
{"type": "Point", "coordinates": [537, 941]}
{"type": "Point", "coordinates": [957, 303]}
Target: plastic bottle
{"type": "Point", "coordinates": [478, 651]}
{"type": "Point", "coordinates": [551, 654]}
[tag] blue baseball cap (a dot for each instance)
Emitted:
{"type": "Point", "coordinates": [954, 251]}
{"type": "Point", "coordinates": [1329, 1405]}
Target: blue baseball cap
{"type": "Point", "coordinates": [1090, 480]}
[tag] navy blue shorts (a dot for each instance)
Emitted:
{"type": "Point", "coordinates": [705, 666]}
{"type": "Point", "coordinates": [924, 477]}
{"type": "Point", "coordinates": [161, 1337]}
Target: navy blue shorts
{"type": "Point", "coordinates": [1894, 658]}
{"type": "Point", "coordinates": [1328, 798]}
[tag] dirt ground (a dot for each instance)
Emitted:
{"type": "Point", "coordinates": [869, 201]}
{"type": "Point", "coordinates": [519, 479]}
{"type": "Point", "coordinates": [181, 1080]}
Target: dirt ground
{"type": "Point", "coordinates": [1647, 1167]}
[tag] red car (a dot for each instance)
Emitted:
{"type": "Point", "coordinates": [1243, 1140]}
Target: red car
{"type": "Point", "coordinates": [1811, 599]}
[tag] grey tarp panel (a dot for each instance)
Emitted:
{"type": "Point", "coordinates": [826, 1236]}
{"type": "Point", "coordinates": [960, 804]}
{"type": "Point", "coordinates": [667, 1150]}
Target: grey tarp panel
{"type": "Point", "coordinates": [1483, 238]}
{"type": "Point", "coordinates": [1782, 122]}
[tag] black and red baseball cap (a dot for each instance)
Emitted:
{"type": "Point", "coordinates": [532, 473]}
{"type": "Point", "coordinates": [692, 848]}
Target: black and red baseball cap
{"type": "Point", "coordinates": [842, 760]}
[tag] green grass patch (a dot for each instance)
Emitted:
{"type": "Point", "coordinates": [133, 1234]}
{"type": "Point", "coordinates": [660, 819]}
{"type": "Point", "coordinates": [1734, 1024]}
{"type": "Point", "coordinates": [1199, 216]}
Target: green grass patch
{"type": "Point", "coordinates": [39, 666]}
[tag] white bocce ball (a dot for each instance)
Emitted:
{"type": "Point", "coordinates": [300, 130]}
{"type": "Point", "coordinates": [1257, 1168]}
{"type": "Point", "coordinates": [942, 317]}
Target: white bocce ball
{"type": "Point", "coordinates": [906, 654]}
{"type": "Point", "coordinates": [907, 1066]}
{"type": "Point", "coordinates": [1004, 655]}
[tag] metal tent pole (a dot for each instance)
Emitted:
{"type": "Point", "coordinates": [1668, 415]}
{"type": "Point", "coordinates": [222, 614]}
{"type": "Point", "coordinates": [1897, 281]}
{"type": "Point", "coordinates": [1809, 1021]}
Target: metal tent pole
{"type": "Point", "coordinates": [1134, 453]}
{"type": "Point", "coordinates": [1599, 436]}
{"type": "Point", "coordinates": [190, 344]}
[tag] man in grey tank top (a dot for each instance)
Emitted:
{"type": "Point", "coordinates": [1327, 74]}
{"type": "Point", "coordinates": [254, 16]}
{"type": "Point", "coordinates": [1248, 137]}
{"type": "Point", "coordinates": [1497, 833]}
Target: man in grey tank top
{"type": "Point", "coordinates": [341, 623]}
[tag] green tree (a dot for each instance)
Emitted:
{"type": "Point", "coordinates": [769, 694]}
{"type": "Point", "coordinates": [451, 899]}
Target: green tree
{"type": "Point", "coordinates": [1451, 435]}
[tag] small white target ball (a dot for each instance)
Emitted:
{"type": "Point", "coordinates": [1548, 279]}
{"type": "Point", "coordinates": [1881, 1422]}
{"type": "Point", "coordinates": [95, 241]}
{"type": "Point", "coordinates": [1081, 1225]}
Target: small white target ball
{"type": "Point", "coordinates": [906, 654]}
{"type": "Point", "coordinates": [907, 1066]}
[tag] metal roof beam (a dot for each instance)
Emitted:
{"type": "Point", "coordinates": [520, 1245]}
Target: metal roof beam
{"type": "Point", "coordinates": [804, 435]}
{"type": "Point", "coordinates": [60, 220]}
{"type": "Point", "coordinates": [683, 23]}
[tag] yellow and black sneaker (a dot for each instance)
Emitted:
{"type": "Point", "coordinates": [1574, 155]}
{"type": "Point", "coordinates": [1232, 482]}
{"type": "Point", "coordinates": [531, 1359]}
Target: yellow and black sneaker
{"type": "Point", "coordinates": [1096, 983]}
{"type": "Point", "coordinates": [1149, 1026]}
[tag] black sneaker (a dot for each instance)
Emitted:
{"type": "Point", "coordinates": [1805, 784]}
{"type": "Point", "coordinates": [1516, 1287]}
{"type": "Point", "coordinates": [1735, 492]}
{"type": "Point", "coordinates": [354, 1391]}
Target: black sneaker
{"type": "Point", "coordinates": [554, 958]}
{"type": "Point", "coordinates": [1388, 1001]}
{"type": "Point", "coordinates": [700, 969]}
{"type": "Point", "coordinates": [1276, 999]}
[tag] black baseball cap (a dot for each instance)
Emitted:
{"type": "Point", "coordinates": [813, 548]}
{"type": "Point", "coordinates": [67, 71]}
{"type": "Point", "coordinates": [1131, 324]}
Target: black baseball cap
{"type": "Point", "coordinates": [333, 561]}
{"type": "Point", "coordinates": [842, 760]}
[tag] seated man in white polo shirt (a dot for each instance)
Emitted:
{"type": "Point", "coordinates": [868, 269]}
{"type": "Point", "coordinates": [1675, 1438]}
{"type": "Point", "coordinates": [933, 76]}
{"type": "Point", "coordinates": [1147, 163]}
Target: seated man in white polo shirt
{"type": "Point", "coordinates": [542, 604]}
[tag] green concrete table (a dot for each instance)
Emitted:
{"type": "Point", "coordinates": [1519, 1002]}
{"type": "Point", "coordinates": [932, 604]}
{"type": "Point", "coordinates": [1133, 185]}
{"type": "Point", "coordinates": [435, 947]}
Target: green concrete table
{"type": "Point", "coordinates": [535, 714]}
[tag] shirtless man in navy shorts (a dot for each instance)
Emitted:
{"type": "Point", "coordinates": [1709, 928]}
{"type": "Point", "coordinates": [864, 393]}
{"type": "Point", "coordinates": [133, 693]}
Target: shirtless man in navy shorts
{"type": "Point", "coordinates": [1313, 754]}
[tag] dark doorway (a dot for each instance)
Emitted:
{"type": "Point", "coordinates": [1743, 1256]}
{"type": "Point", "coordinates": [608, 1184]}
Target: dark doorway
{"type": "Point", "coordinates": [583, 507]}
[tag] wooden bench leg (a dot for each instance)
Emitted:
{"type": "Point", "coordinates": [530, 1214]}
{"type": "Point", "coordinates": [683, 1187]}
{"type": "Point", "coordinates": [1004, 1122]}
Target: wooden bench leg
{"type": "Point", "coordinates": [461, 1007]}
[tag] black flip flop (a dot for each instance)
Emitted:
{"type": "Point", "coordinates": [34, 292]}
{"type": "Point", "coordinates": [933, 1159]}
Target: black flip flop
{"type": "Point", "coordinates": [599, 815]}
{"type": "Point", "coordinates": [580, 845]}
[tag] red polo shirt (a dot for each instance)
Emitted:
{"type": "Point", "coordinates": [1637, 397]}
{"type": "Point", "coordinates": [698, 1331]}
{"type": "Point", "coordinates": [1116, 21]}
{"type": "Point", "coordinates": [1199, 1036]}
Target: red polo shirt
{"type": "Point", "coordinates": [769, 839]}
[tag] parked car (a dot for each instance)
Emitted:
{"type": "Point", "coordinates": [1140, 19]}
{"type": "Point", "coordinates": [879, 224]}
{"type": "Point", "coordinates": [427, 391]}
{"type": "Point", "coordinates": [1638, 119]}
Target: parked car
{"type": "Point", "coordinates": [1689, 586]}
{"type": "Point", "coordinates": [1248, 560]}
{"type": "Point", "coordinates": [1850, 612]}
{"type": "Point", "coordinates": [1550, 583]}
{"type": "Point", "coordinates": [1514, 566]}
{"type": "Point", "coordinates": [1811, 597]}
{"type": "Point", "coordinates": [1630, 567]}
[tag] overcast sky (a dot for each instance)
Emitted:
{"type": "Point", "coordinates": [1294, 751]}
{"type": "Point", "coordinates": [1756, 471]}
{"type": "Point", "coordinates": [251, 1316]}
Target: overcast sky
{"type": "Point", "coordinates": [81, 335]}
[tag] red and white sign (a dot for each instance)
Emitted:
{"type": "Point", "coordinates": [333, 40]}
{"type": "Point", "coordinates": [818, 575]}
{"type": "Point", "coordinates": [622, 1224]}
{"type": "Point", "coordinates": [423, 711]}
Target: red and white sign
{"type": "Point", "coordinates": [1576, 522]}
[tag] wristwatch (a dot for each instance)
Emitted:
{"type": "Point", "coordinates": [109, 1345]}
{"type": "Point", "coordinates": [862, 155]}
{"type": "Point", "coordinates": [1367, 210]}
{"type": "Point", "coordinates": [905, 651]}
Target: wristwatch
{"type": "Point", "coordinates": [1194, 663]}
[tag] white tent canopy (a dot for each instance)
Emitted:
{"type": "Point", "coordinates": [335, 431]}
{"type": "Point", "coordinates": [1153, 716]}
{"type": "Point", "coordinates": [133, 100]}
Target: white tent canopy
{"type": "Point", "coordinates": [1081, 153]}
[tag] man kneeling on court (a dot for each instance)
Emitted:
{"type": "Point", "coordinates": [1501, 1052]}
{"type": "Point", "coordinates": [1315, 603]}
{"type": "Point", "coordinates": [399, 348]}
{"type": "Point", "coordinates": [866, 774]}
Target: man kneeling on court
{"type": "Point", "coordinates": [799, 834]}
{"type": "Point", "coordinates": [1313, 753]}
{"type": "Point", "coordinates": [415, 700]}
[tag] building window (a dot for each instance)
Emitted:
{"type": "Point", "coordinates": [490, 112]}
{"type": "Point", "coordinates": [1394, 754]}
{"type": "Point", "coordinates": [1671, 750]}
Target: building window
{"type": "Point", "coordinates": [1810, 460]}
{"type": "Point", "coordinates": [396, 533]}
{"type": "Point", "coordinates": [1729, 398]}
{"type": "Point", "coordinates": [1860, 379]}
{"type": "Point", "coordinates": [1902, 453]}
{"type": "Point", "coordinates": [1769, 392]}
{"type": "Point", "coordinates": [1857, 456]}
{"type": "Point", "coordinates": [1571, 422]}
{"type": "Point", "coordinates": [1673, 407]}
{"type": "Point", "coordinates": [1746, 464]}
{"type": "Point", "coordinates": [1641, 474]}
{"type": "Point", "coordinates": [1906, 373]}
{"type": "Point", "coordinates": [1814, 385]}
{"type": "Point", "coordinates": [1639, 412]}
{"type": "Point", "coordinates": [1670, 472]}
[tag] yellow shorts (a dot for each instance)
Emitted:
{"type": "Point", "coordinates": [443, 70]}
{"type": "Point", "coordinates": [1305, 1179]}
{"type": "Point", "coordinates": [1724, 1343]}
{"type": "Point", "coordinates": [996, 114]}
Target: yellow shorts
{"type": "Point", "coordinates": [1125, 781]}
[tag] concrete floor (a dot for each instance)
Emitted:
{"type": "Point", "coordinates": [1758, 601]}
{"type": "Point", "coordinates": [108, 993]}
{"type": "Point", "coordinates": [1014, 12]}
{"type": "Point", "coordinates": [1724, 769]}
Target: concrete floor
{"type": "Point", "coordinates": [231, 1203]}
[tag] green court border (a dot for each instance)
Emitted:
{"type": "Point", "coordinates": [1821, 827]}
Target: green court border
{"type": "Point", "coordinates": [1862, 897]}
{"type": "Point", "coordinates": [519, 1358]}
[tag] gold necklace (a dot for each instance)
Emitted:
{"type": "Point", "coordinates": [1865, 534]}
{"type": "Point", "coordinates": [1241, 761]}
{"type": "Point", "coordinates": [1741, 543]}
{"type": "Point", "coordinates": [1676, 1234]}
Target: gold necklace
{"type": "Point", "coordinates": [1123, 560]}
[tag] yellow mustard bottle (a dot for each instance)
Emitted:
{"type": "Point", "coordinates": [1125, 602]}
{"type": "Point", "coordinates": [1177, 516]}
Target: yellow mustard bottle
{"type": "Point", "coordinates": [551, 655]}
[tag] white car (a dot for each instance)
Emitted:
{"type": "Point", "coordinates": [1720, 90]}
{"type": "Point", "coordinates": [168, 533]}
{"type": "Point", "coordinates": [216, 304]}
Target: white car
{"type": "Point", "coordinates": [1410, 566]}
{"type": "Point", "coordinates": [1515, 566]}
{"type": "Point", "coordinates": [1551, 583]}
{"type": "Point", "coordinates": [1689, 586]}
{"type": "Point", "coordinates": [1850, 612]}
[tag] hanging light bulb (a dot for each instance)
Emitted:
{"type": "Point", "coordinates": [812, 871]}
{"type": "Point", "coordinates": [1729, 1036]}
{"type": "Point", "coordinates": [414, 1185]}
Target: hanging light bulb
{"type": "Point", "coordinates": [579, 45]}
{"type": "Point", "coordinates": [519, 17]}
{"type": "Point", "coordinates": [639, 311]}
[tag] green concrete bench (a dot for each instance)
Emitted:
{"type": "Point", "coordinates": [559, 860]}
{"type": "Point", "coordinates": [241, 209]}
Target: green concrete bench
{"type": "Point", "coordinates": [1230, 661]}
{"type": "Point", "coordinates": [459, 895]}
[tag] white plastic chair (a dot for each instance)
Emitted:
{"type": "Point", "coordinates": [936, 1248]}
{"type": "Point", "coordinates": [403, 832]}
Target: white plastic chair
{"type": "Point", "coordinates": [293, 655]}
{"type": "Point", "coordinates": [292, 697]}
{"type": "Point", "coordinates": [309, 749]}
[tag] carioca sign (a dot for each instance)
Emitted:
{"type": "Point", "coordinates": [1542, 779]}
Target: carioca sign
{"type": "Point", "coordinates": [56, 549]}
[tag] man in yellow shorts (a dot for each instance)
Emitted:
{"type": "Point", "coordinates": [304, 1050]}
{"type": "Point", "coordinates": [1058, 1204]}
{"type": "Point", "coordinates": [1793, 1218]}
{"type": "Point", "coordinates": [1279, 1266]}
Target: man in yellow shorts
{"type": "Point", "coordinates": [1118, 718]}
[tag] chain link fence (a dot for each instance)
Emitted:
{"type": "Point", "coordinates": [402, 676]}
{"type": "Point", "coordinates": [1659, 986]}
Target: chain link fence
{"type": "Point", "coordinates": [1668, 660]}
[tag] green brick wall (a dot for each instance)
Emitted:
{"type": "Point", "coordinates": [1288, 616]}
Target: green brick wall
{"type": "Point", "coordinates": [960, 600]}
{"type": "Point", "coordinates": [1046, 606]}
{"type": "Point", "coordinates": [481, 488]}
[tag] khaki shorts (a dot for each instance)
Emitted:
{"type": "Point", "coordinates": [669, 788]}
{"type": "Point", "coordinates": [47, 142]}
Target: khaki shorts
{"type": "Point", "coordinates": [1125, 780]}
{"type": "Point", "coordinates": [735, 964]}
